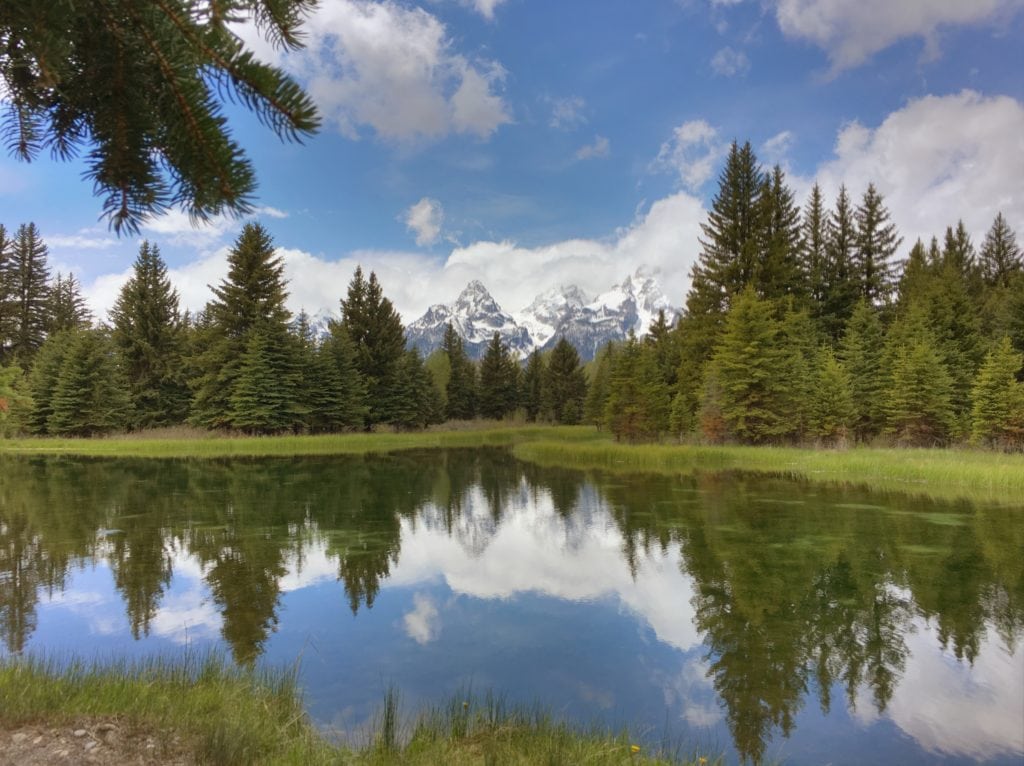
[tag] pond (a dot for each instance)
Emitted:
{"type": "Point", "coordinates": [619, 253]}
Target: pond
{"type": "Point", "coordinates": [769, 619]}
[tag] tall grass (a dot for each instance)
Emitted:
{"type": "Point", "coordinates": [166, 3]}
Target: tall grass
{"type": "Point", "coordinates": [975, 474]}
{"type": "Point", "coordinates": [174, 445]}
{"type": "Point", "coordinates": [228, 715]}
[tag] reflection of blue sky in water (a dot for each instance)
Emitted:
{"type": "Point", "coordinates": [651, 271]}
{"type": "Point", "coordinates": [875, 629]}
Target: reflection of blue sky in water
{"type": "Point", "coordinates": [544, 607]}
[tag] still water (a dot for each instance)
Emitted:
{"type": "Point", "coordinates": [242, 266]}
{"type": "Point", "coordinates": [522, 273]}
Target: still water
{"type": "Point", "coordinates": [766, 618]}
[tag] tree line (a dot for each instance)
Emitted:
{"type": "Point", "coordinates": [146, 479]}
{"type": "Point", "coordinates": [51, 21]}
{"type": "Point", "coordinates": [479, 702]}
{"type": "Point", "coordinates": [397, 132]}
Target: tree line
{"type": "Point", "coordinates": [801, 326]}
{"type": "Point", "coordinates": [243, 363]}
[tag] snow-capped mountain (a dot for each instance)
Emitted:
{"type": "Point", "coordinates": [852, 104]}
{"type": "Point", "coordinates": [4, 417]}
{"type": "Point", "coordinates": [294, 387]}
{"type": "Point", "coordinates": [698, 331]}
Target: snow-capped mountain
{"type": "Point", "coordinates": [588, 323]}
{"type": "Point", "coordinates": [475, 315]}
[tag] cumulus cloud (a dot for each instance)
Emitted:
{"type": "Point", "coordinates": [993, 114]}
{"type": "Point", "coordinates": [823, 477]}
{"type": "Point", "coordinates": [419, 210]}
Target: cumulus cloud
{"type": "Point", "coordinates": [423, 623]}
{"type": "Point", "coordinates": [424, 219]}
{"type": "Point", "coordinates": [851, 32]}
{"type": "Point", "coordinates": [84, 239]}
{"type": "Point", "coordinates": [485, 8]}
{"type": "Point", "coordinates": [776, 148]}
{"type": "Point", "coordinates": [599, 148]}
{"type": "Point", "coordinates": [693, 153]}
{"type": "Point", "coordinates": [937, 160]}
{"type": "Point", "coordinates": [729, 62]}
{"type": "Point", "coordinates": [568, 113]}
{"type": "Point", "coordinates": [393, 69]}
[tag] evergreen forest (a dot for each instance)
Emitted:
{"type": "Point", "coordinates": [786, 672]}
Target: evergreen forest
{"type": "Point", "coordinates": [814, 325]}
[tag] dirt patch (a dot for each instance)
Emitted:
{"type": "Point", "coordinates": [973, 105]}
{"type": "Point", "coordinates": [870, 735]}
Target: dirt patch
{"type": "Point", "coordinates": [107, 741]}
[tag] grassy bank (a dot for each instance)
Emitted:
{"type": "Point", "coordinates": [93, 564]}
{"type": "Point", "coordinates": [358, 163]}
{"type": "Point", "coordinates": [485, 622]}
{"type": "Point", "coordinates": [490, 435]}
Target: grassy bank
{"type": "Point", "coordinates": [200, 444]}
{"type": "Point", "coordinates": [226, 715]}
{"type": "Point", "coordinates": [988, 476]}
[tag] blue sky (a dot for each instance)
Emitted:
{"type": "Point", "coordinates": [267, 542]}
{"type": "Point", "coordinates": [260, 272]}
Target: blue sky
{"type": "Point", "coordinates": [531, 144]}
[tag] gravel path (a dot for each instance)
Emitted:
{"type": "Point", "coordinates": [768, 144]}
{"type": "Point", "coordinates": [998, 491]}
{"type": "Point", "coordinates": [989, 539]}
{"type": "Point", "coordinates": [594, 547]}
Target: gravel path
{"type": "Point", "coordinates": [89, 741]}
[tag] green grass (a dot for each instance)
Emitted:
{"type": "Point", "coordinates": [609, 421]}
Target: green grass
{"type": "Point", "coordinates": [230, 715]}
{"type": "Point", "coordinates": [206, 445]}
{"type": "Point", "coordinates": [972, 474]}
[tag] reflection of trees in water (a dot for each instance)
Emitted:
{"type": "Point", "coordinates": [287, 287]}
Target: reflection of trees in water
{"type": "Point", "coordinates": [792, 594]}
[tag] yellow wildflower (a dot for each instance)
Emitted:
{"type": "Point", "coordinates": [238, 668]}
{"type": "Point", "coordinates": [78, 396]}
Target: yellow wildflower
{"type": "Point", "coordinates": [634, 748]}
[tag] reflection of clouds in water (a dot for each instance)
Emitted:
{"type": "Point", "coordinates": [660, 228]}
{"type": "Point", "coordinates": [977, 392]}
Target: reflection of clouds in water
{"type": "Point", "coordinates": [423, 623]}
{"type": "Point", "coordinates": [310, 567]}
{"type": "Point", "coordinates": [103, 612]}
{"type": "Point", "coordinates": [188, 614]}
{"type": "Point", "coordinates": [533, 550]}
{"type": "Point", "coordinates": [954, 707]}
{"type": "Point", "coordinates": [693, 691]}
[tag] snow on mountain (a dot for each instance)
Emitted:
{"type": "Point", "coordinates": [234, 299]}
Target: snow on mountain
{"type": "Point", "coordinates": [476, 316]}
{"type": "Point", "coordinates": [566, 311]}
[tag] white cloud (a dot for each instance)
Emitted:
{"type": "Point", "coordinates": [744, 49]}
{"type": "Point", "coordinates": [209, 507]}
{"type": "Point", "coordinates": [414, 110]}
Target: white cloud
{"type": "Point", "coordinates": [84, 239]}
{"type": "Point", "coordinates": [423, 623]}
{"type": "Point", "coordinates": [776, 148]}
{"type": "Point", "coordinates": [176, 226]}
{"type": "Point", "coordinates": [937, 160]}
{"type": "Point", "coordinates": [568, 113]}
{"type": "Point", "coordinates": [393, 69]}
{"type": "Point", "coordinates": [851, 32]}
{"type": "Point", "coordinates": [599, 148]}
{"type": "Point", "coordinates": [485, 8]}
{"type": "Point", "coordinates": [729, 62]}
{"type": "Point", "coordinates": [425, 219]}
{"type": "Point", "coordinates": [693, 153]}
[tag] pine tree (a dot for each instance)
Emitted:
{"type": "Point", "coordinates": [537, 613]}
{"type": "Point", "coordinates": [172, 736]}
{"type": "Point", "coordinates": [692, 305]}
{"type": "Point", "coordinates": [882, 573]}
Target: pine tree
{"type": "Point", "coordinates": [919, 408]}
{"type": "Point", "coordinates": [532, 395]}
{"type": "Point", "coordinates": [779, 272]}
{"type": "Point", "coordinates": [600, 385]}
{"type": "Point", "coordinates": [6, 292]}
{"type": "Point", "coordinates": [565, 386]}
{"type": "Point", "coordinates": [750, 366]}
{"type": "Point", "coordinates": [498, 372]}
{"type": "Point", "coordinates": [416, 401]}
{"type": "Point", "coordinates": [958, 254]}
{"type": "Point", "coordinates": [841, 290]}
{"type": "Point", "coordinates": [814, 253]}
{"type": "Point", "coordinates": [28, 281]}
{"type": "Point", "coordinates": [832, 402]}
{"type": "Point", "coordinates": [15, 404]}
{"type": "Point", "coordinates": [916, 276]}
{"type": "Point", "coordinates": [139, 87]}
{"type": "Point", "coordinates": [347, 408]}
{"type": "Point", "coordinates": [1000, 258]}
{"type": "Point", "coordinates": [637, 407]}
{"type": "Point", "coordinates": [149, 334]}
{"type": "Point", "coordinates": [861, 353]}
{"type": "Point", "coordinates": [66, 309]}
{"type": "Point", "coordinates": [461, 388]}
{"type": "Point", "coordinates": [378, 338]}
{"type": "Point", "coordinates": [42, 381]}
{"type": "Point", "coordinates": [262, 400]}
{"type": "Point", "coordinates": [799, 341]}
{"type": "Point", "coordinates": [998, 400]}
{"type": "Point", "coordinates": [251, 296]}
{"type": "Point", "coordinates": [664, 344]}
{"type": "Point", "coordinates": [876, 243]}
{"type": "Point", "coordinates": [90, 396]}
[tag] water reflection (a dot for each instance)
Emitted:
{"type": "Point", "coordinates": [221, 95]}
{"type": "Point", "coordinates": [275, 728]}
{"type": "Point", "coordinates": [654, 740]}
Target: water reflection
{"type": "Point", "coordinates": [772, 608]}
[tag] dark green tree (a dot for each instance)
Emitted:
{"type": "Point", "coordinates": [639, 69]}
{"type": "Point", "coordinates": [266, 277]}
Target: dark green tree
{"type": "Point", "coordinates": [959, 256]}
{"type": "Point", "coordinates": [347, 405]}
{"type": "Point", "coordinates": [140, 85]}
{"type": "Point", "coordinates": [600, 385]}
{"type": "Point", "coordinates": [1000, 258]}
{"type": "Point", "coordinates": [461, 388]}
{"type": "Point", "coordinates": [814, 252]}
{"type": "Point", "coordinates": [779, 272]}
{"type": "Point", "coordinates": [149, 334]}
{"type": "Point", "coordinates": [497, 395]}
{"type": "Point", "coordinates": [66, 309]}
{"type": "Point", "coordinates": [266, 397]}
{"type": "Point", "coordinates": [90, 397]}
{"type": "Point", "coordinates": [637, 407]}
{"type": "Point", "coordinates": [251, 296]}
{"type": "Point", "coordinates": [861, 352]}
{"type": "Point", "coordinates": [378, 339]}
{"type": "Point", "coordinates": [564, 389]}
{"type": "Point", "coordinates": [876, 243]}
{"type": "Point", "coordinates": [42, 381]}
{"type": "Point", "coordinates": [998, 400]}
{"type": "Point", "coordinates": [841, 291]}
{"type": "Point", "coordinates": [532, 395]}
{"type": "Point", "coordinates": [664, 344]}
{"type": "Point", "coordinates": [919, 399]}
{"type": "Point", "coordinates": [6, 292]}
{"type": "Point", "coordinates": [27, 278]}
{"type": "Point", "coordinates": [417, 402]}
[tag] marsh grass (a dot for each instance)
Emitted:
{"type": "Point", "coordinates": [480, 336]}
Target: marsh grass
{"type": "Point", "coordinates": [180, 443]}
{"type": "Point", "coordinates": [950, 473]}
{"type": "Point", "coordinates": [225, 714]}
{"type": "Point", "coordinates": [231, 715]}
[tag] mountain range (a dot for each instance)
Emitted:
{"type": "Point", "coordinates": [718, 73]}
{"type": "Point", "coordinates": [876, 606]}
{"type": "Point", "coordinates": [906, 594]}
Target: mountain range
{"type": "Point", "coordinates": [586, 322]}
